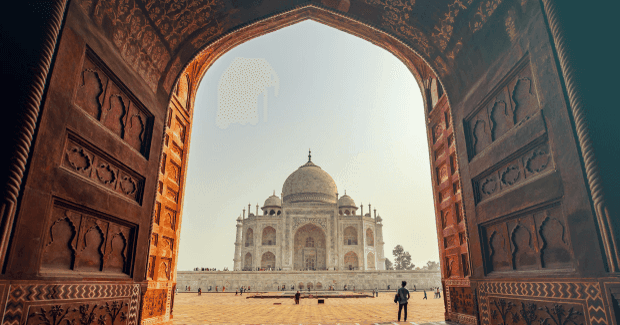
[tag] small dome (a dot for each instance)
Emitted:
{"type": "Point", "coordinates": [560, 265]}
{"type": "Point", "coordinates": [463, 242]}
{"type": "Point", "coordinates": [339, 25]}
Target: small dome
{"type": "Point", "coordinates": [346, 201]}
{"type": "Point", "coordinates": [239, 218]}
{"type": "Point", "coordinates": [273, 201]}
{"type": "Point", "coordinates": [379, 219]}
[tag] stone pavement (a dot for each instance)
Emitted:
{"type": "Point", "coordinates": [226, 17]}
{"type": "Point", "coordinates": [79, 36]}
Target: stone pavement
{"type": "Point", "coordinates": [226, 308]}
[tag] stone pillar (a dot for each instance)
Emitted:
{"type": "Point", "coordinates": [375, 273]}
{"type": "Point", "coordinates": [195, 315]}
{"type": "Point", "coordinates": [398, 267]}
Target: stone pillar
{"type": "Point", "coordinates": [380, 265]}
{"type": "Point", "coordinates": [238, 244]}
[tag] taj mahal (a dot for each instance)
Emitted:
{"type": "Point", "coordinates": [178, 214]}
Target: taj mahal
{"type": "Point", "coordinates": [309, 228]}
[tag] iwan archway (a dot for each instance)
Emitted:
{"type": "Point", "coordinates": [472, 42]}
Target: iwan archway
{"type": "Point", "coordinates": [521, 218]}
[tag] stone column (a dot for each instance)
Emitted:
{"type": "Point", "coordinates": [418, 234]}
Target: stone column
{"type": "Point", "coordinates": [238, 243]}
{"type": "Point", "coordinates": [379, 246]}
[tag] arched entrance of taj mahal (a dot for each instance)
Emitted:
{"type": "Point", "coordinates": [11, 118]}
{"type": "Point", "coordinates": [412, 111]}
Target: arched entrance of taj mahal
{"type": "Point", "coordinates": [95, 164]}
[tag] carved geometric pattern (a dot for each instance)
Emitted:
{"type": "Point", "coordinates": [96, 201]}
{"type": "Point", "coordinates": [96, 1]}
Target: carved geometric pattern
{"type": "Point", "coordinates": [508, 104]}
{"type": "Point", "coordinates": [588, 293]}
{"type": "Point", "coordinates": [102, 96]}
{"type": "Point", "coordinates": [154, 303]}
{"type": "Point", "coordinates": [85, 241]}
{"type": "Point", "coordinates": [530, 164]}
{"type": "Point", "coordinates": [80, 156]}
{"type": "Point", "coordinates": [22, 297]}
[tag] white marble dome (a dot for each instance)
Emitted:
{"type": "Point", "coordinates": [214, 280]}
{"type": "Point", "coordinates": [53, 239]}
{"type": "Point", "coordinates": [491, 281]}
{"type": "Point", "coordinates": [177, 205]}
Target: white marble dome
{"type": "Point", "coordinates": [346, 201]}
{"type": "Point", "coordinates": [273, 201]}
{"type": "Point", "coordinates": [309, 183]}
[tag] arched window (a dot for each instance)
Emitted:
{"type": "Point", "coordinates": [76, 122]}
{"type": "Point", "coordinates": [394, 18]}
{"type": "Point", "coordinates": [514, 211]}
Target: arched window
{"type": "Point", "coordinates": [268, 261]}
{"type": "Point", "coordinates": [370, 261]}
{"type": "Point", "coordinates": [279, 212]}
{"type": "Point", "coordinates": [269, 236]}
{"type": "Point", "coordinates": [247, 262]}
{"type": "Point", "coordinates": [249, 237]}
{"type": "Point", "coordinates": [272, 212]}
{"type": "Point", "coordinates": [347, 212]}
{"type": "Point", "coordinates": [350, 261]}
{"type": "Point", "coordinates": [309, 242]}
{"type": "Point", "coordinates": [350, 236]}
{"type": "Point", "coordinates": [370, 238]}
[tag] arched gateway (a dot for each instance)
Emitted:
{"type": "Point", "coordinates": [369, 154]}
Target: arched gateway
{"type": "Point", "coordinates": [309, 249]}
{"type": "Point", "coordinates": [522, 218]}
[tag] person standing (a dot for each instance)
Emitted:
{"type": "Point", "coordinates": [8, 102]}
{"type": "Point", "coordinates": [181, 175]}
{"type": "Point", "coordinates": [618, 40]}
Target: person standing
{"type": "Point", "coordinates": [424, 295]}
{"type": "Point", "coordinates": [199, 291]}
{"type": "Point", "coordinates": [438, 293]}
{"type": "Point", "coordinates": [297, 296]}
{"type": "Point", "coordinates": [403, 298]}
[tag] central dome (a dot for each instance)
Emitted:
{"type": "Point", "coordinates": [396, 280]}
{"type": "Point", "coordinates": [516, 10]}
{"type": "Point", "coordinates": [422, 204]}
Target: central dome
{"type": "Point", "coordinates": [309, 183]}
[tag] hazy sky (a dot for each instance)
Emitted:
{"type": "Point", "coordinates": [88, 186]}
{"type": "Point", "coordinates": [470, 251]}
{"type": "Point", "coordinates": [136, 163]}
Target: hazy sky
{"type": "Point", "coordinates": [354, 104]}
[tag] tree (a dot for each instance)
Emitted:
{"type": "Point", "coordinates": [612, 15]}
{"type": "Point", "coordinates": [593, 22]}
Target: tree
{"type": "Point", "coordinates": [431, 266]}
{"type": "Point", "coordinates": [388, 264]}
{"type": "Point", "coordinates": [402, 259]}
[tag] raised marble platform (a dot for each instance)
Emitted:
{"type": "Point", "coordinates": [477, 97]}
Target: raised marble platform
{"type": "Point", "coordinates": [320, 280]}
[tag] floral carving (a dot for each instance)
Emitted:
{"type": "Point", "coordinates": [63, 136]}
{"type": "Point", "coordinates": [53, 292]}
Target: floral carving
{"type": "Point", "coordinates": [503, 307]}
{"type": "Point", "coordinates": [559, 316]}
{"type": "Point", "coordinates": [537, 161]}
{"type": "Point", "coordinates": [54, 316]}
{"type": "Point", "coordinates": [79, 159]}
{"type": "Point", "coordinates": [128, 185]}
{"type": "Point", "coordinates": [87, 317]}
{"type": "Point", "coordinates": [528, 313]}
{"type": "Point", "coordinates": [484, 11]}
{"type": "Point", "coordinates": [113, 310]}
{"type": "Point", "coordinates": [488, 186]}
{"type": "Point", "coordinates": [510, 175]}
{"type": "Point", "coordinates": [106, 174]}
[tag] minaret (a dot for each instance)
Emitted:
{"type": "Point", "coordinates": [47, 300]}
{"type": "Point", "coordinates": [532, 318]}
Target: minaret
{"type": "Point", "coordinates": [238, 244]}
{"type": "Point", "coordinates": [250, 209]}
{"type": "Point", "coordinates": [379, 244]}
{"type": "Point", "coordinates": [244, 213]}
{"type": "Point", "coordinates": [257, 209]}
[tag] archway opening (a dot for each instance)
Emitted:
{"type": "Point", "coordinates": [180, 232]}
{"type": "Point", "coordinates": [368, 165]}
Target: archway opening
{"type": "Point", "coordinates": [307, 255]}
{"type": "Point", "coordinates": [309, 248]}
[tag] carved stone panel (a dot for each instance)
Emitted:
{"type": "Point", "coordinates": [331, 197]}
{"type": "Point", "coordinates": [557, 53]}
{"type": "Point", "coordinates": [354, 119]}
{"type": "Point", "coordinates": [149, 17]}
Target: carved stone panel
{"type": "Point", "coordinates": [154, 303]}
{"type": "Point", "coordinates": [74, 303]}
{"type": "Point", "coordinates": [501, 178]}
{"type": "Point", "coordinates": [536, 240]}
{"type": "Point", "coordinates": [79, 240]}
{"type": "Point", "coordinates": [509, 104]}
{"type": "Point", "coordinates": [549, 303]}
{"type": "Point", "coordinates": [101, 95]}
{"type": "Point", "coordinates": [462, 300]}
{"type": "Point", "coordinates": [85, 160]}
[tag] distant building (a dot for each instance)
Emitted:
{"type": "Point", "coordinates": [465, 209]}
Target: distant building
{"type": "Point", "coordinates": [310, 229]}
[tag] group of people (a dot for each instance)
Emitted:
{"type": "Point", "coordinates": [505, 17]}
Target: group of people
{"type": "Point", "coordinates": [436, 291]}
{"type": "Point", "coordinates": [260, 269]}
{"type": "Point", "coordinates": [203, 269]}
{"type": "Point", "coordinates": [242, 290]}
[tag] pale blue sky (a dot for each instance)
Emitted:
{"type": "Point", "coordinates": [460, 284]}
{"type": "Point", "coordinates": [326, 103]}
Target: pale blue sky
{"type": "Point", "coordinates": [354, 104]}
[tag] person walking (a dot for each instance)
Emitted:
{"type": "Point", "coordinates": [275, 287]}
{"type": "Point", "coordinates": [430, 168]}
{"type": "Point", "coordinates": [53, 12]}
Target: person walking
{"type": "Point", "coordinates": [236, 291]}
{"type": "Point", "coordinates": [199, 291]}
{"type": "Point", "coordinates": [424, 295]}
{"type": "Point", "coordinates": [297, 296]}
{"type": "Point", "coordinates": [438, 293]}
{"type": "Point", "coordinates": [403, 298]}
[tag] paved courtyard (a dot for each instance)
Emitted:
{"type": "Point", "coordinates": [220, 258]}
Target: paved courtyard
{"type": "Point", "coordinates": [226, 308]}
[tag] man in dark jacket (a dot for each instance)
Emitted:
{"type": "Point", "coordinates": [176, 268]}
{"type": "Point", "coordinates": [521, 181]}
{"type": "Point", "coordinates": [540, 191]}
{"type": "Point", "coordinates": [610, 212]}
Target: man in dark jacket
{"type": "Point", "coordinates": [297, 296]}
{"type": "Point", "coordinates": [403, 298]}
